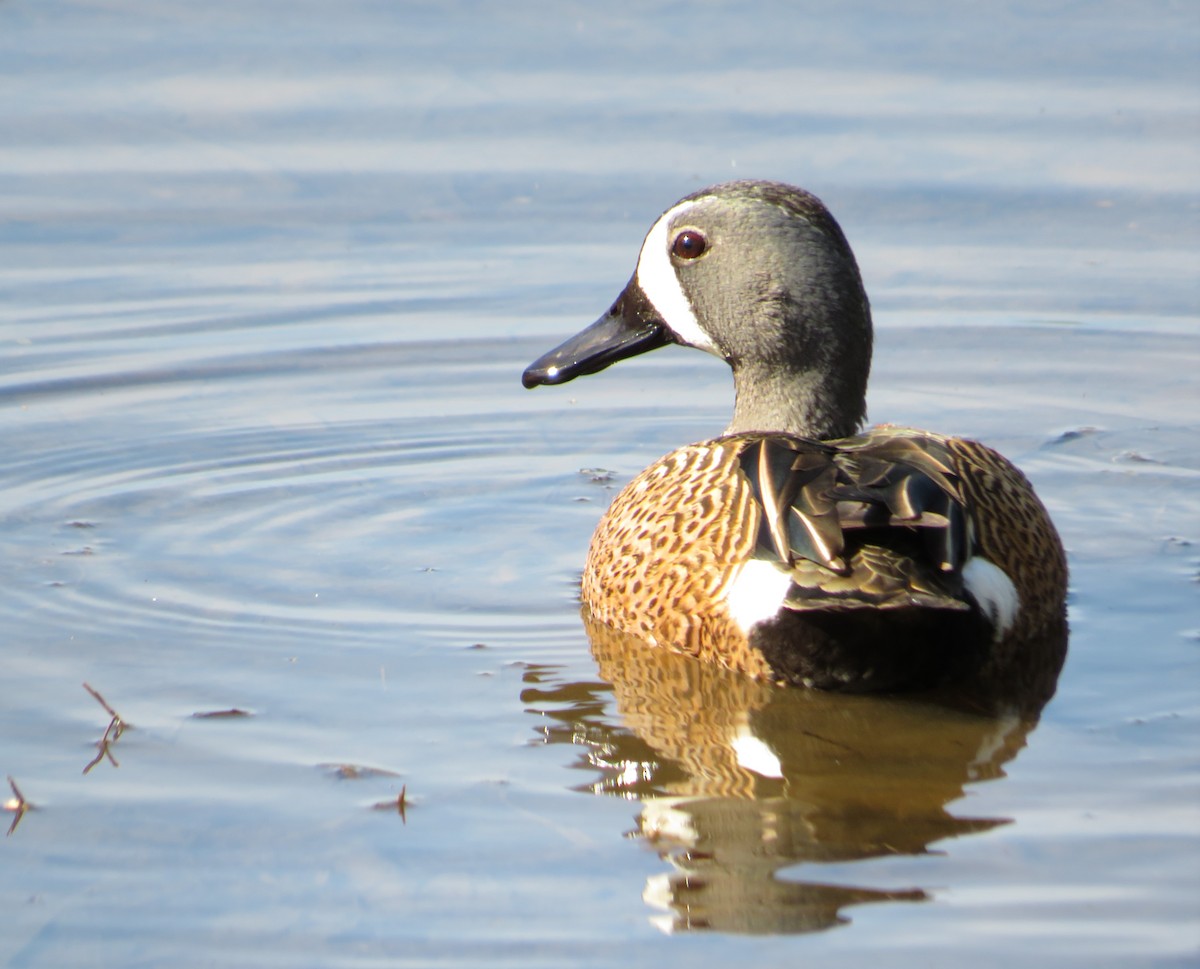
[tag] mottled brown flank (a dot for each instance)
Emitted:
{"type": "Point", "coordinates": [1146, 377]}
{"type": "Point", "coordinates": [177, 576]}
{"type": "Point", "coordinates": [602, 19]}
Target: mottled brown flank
{"type": "Point", "coordinates": [1014, 532]}
{"type": "Point", "coordinates": [662, 555]}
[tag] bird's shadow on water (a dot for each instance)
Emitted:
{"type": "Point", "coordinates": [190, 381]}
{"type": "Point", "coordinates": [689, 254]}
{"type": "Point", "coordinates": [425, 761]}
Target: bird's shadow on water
{"type": "Point", "coordinates": [737, 780]}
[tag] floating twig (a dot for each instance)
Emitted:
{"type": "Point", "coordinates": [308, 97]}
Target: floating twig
{"type": "Point", "coordinates": [17, 804]}
{"type": "Point", "coordinates": [399, 804]}
{"type": "Point", "coordinates": [103, 702]}
{"type": "Point", "coordinates": [112, 733]}
{"type": "Point", "coordinates": [355, 772]}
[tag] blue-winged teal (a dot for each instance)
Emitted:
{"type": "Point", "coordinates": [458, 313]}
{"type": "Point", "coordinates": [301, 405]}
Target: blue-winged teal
{"type": "Point", "coordinates": [787, 548]}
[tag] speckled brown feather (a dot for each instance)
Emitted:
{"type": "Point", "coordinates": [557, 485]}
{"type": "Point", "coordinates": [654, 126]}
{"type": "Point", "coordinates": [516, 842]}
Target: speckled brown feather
{"type": "Point", "coordinates": [663, 555]}
{"type": "Point", "coordinates": [1015, 532]}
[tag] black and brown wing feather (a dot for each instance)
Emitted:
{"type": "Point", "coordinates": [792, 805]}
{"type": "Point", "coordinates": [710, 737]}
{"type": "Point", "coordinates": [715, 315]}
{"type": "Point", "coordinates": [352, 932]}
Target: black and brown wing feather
{"type": "Point", "coordinates": [861, 523]}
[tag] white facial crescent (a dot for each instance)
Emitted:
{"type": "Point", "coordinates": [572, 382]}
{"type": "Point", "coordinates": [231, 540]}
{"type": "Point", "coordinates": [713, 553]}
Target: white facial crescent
{"type": "Point", "coordinates": [658, 280]}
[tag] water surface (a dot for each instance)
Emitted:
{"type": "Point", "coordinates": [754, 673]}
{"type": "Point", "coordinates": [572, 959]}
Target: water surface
{"type": "Point", "coordinates": [270, 275]}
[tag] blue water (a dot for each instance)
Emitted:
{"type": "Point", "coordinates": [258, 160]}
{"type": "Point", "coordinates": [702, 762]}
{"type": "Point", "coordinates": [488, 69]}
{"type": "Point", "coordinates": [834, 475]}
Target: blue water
{"type": "Point", "coordinates": [269, 274]}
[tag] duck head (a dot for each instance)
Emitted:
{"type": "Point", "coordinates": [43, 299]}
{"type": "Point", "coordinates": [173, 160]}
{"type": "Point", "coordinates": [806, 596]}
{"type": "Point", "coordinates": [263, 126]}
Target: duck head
{"type": "Point", "coordinates": [760, 275]}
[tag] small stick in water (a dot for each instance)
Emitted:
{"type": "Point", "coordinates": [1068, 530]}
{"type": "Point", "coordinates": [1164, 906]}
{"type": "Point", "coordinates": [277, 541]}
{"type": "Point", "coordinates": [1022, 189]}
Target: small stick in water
{"type": "Point", "coordinates": [112, 733]}
{"type": "Point", "coordinates": [17, 804]}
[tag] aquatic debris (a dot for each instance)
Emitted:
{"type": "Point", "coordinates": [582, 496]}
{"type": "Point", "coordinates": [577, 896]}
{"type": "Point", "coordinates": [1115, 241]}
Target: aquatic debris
{"type": "Point", "coordinates": [221, 714]}
{"type": "Point", "coordinates": [1074, 434]}
{"type": "Point", "coordinates": [355, 772]}
{"type": "Point", "coordinates": [19, 805]}
{"type": "Point", "coordinates": [399, 804]}
{"type": "Point", "coordinates": [112, 733]}
{"type": "Point", "coordinates": [1137, 457]}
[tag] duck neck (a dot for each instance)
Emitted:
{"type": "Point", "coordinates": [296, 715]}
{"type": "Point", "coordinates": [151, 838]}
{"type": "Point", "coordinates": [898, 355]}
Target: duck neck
{"type": "Point", "coordinates": [816, 402]}
{"type": "Point", "coordinates": [801, 361]}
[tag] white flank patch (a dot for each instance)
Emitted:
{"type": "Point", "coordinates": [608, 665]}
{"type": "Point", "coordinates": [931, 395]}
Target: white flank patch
{"type": "Point", "coordinates": [656, 276]}
{"type": "Point", "coordinates": [994, 592]}
{"type": "Point", "coordinates": [753, 754]}
{"type": "Point", "coordinates": [757, 592]}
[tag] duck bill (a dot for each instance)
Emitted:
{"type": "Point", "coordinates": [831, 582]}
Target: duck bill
{"type": "Point", "coordinates": [631, 327]}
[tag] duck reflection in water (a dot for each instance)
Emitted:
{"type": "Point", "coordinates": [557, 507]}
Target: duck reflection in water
{"type": "Point", "coordinates": [738, 779]}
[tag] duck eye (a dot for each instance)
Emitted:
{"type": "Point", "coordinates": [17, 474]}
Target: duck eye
{"type": "Point", "coordinates": [689, 244]}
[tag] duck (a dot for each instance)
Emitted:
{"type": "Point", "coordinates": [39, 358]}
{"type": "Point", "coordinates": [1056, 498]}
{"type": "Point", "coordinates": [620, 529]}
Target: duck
{"type": "Point", "coordinates": [796, 546]}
